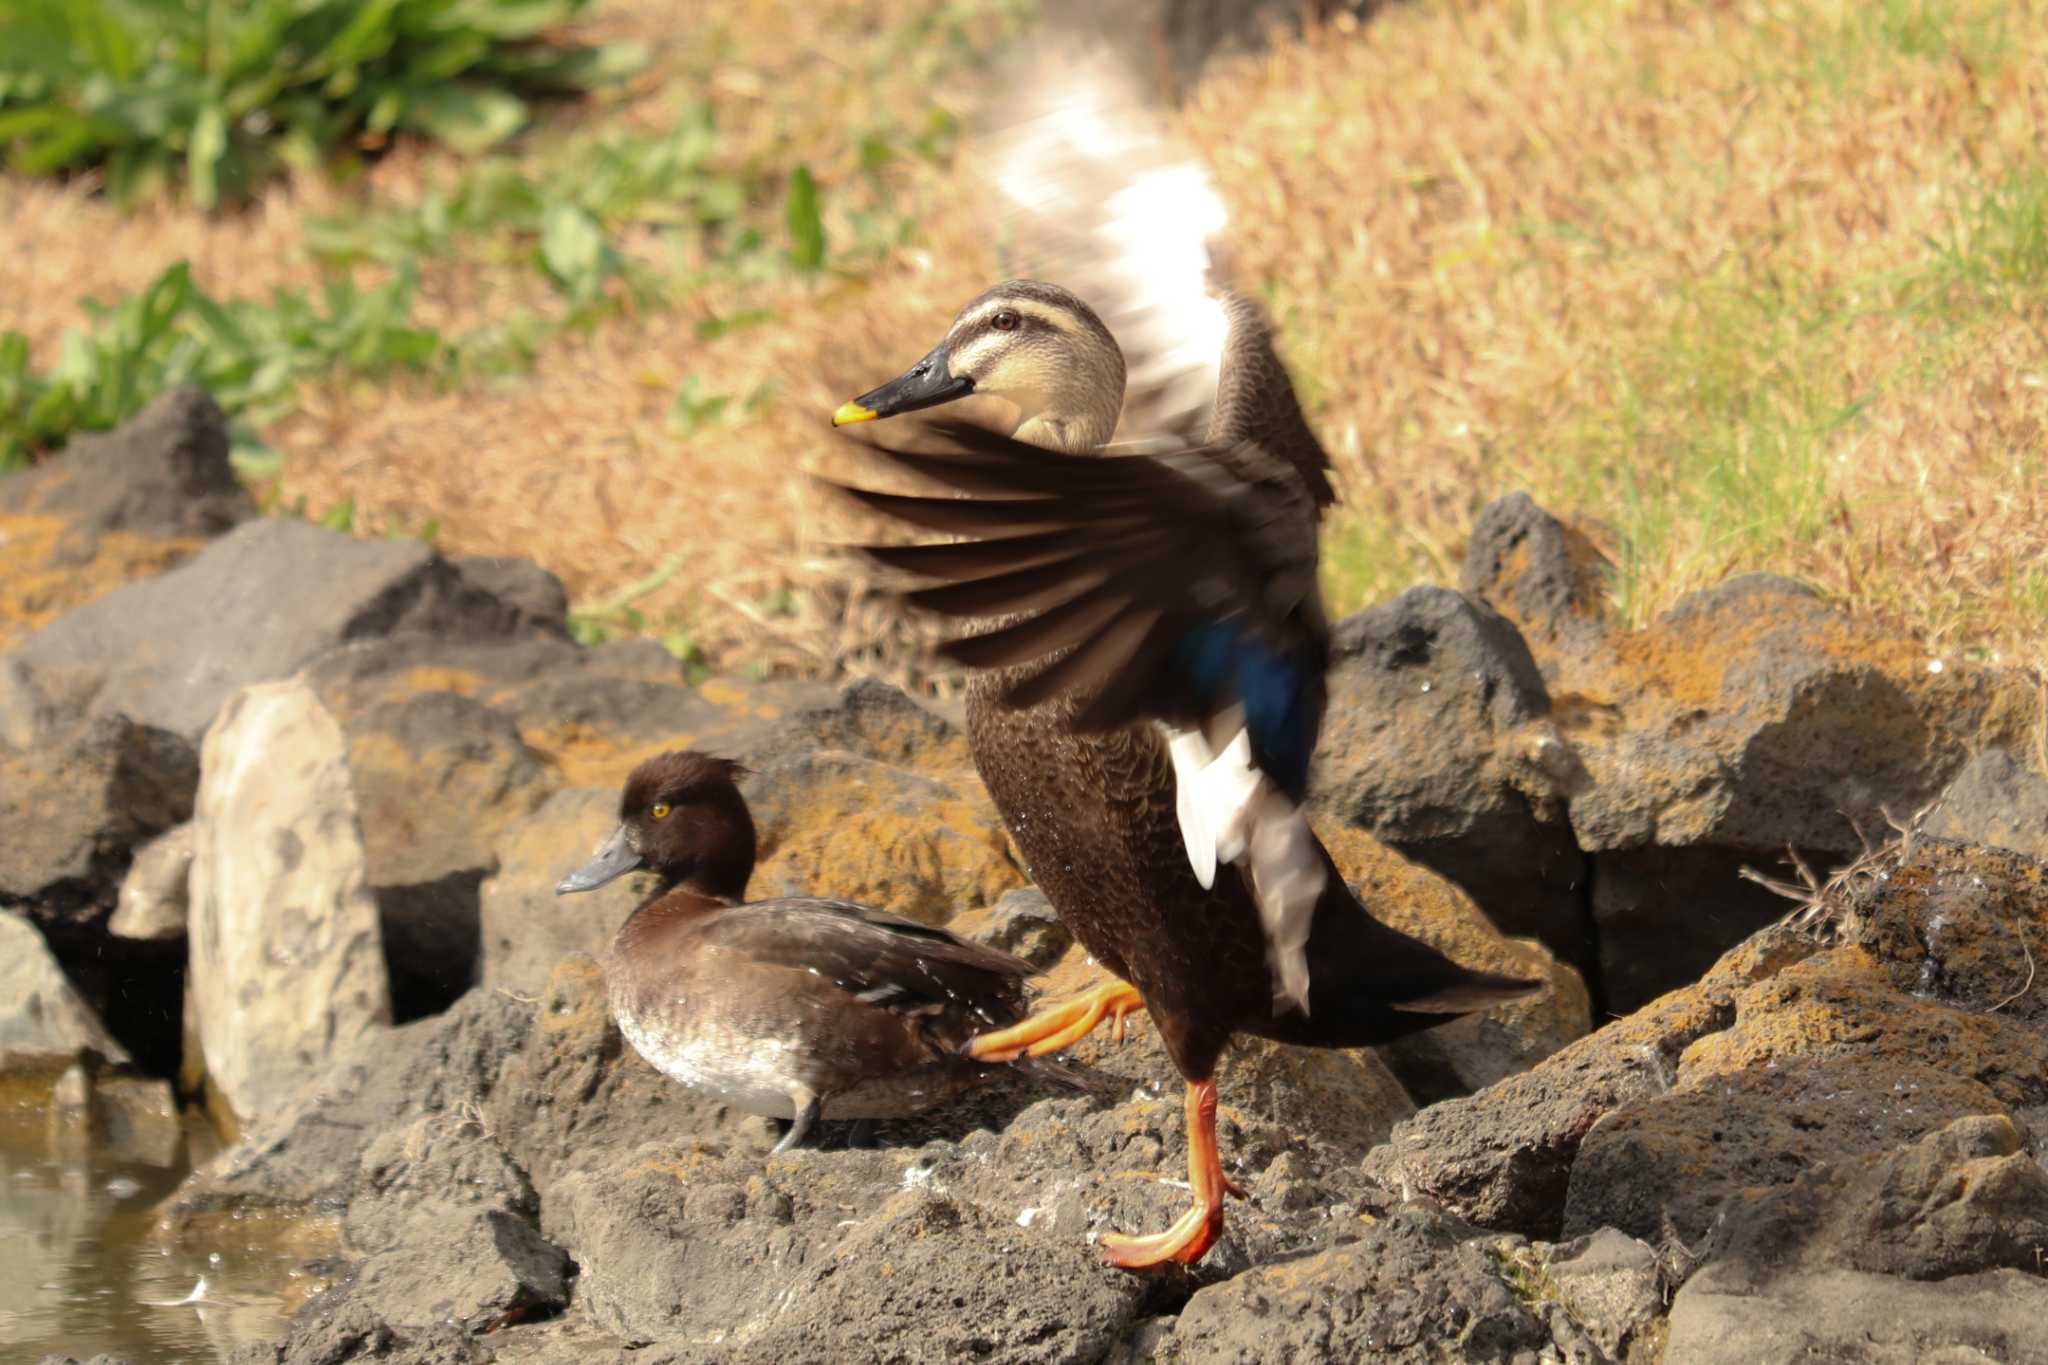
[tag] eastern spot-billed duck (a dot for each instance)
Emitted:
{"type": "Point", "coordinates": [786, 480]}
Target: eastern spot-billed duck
{"type": "Point", "coordinates": [794, 1008]}
{"type": "Point", "coordinates": [1146, 699]}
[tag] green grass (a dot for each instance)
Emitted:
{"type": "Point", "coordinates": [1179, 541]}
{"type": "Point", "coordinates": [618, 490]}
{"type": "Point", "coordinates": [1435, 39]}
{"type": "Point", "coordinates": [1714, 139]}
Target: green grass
{"type": "Point", "coordinates": [1726, 407]}
{"type": "Point", "coordinates": [563, 219]}
{"type": "Point", "coordinates": [217, 94]}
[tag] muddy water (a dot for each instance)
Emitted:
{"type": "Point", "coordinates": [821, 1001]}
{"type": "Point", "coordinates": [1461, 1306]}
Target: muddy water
{"type": "Point", "coordinates": [88, 1265]}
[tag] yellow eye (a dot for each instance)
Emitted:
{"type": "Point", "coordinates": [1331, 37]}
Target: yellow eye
{"type": "Point", "coordinates": [660, 811]}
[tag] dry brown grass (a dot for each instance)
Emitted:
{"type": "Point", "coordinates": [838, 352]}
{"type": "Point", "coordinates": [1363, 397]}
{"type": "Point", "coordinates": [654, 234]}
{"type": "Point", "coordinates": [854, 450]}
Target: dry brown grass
{"type": "Point", "coordinates": [1671, 267]}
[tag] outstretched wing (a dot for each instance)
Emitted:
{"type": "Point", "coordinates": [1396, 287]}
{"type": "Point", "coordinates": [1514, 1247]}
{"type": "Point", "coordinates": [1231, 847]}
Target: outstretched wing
{"type": "Point", "coordinates": [1099, 198]}
{"type": "Point", "coordinates": [1175, 587]}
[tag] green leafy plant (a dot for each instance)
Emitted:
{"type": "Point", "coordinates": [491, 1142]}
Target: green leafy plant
{"type": "Point", "coordinates": [218, 92]}
{"type": "Point", "coordinates": [249, 353]}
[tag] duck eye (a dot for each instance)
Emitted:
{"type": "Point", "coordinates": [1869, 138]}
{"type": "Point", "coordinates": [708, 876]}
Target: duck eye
{"type": "Point", "coordinates": [1005, 321]}
{"type": "Point", "coordinates": [659, 810]}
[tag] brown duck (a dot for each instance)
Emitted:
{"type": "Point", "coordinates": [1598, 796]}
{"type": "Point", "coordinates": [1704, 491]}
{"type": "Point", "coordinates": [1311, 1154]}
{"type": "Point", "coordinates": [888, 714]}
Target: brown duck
{"type": "Point", "coordinates": [1146, 703]}
{"type": "Point", "coordinates": [795, 1008]}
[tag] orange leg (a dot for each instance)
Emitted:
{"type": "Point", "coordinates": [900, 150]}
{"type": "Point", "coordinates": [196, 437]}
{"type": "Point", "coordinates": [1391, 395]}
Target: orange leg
{"type": "Point", "coordinates": [1059, 1027]}
{"type": "Point", "coordinates": [1195, 1231]}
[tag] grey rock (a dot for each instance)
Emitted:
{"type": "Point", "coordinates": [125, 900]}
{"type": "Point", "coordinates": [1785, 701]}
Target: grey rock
{"type": "Point", "coordinates": [437, 778]}
{"type": "Point", "coordinates": [1438, 742]}
{"type": "Point", "coordinates": [156, 894]}
{"type": "Point", "coordinates": [1998, 800]}
{"type": "Point", "coordinates": [471, 1271]}
{"type": "Point", "coordinates": [575, 1096]}
{"type": "Point", "coordinates": [311, 1150]}
{"type": "Point", "coordinates": [418, 1178]}
{"type": "Point", "coordinates": [1964, 1198]}
{"type": "Point", "coordinates": [1504, 1158]}
{"type": "Point", "coordinates": [1023, 922]}
{"type": "Point", "coordinates": [1665, 1167]}
{"type": "Point", "coordinates": [165, 473]}
{"type": "Point", "coordinates": [74, 805]}
{"type": "Point", "coordinates": [525, 928]}
{"type": "Point", "coordinates": [1731, 1315]}
{"type": "Point", "coordinates": [521, 584]}
{"type": "Point", "coordinates": [287, 966]}
{"type": "Point", "coordinates": [1413, 1286]}
{"type": "Point", "coordinates": [1614, 1287]}
{"type": "Point", "coordinates": [1541, 574]}
{"type": "Point", "coordinates": [116, 1118]}
{"type": "Point", "coordinates": [43, 1022]}
{"type": "Point", "coordinates": [168, 651]}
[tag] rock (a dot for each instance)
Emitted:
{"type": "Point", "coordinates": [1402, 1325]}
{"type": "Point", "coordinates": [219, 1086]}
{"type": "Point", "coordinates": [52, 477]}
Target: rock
{"type": "Point", "coordinates": [1996, 800]}
{"type": "Point", "coordinates": [1023, 922]}
{"type": "Point", "coordinates": [126, 504]}
{"type": "Point", "coordinates": [155, 895]}
{"type": "Point", "coordinates": [310, 1150]}
{"type": "Point", "coordinates": [1646, 946]}
{"type": "Point", "coordinates": [1438, 741]}
{"type": "Point", "coordinates": [575, 1096]}
{"type": "Point", "coordinates": [1963, 1199]}
{"type": "Point", "coordinates": [1614, 1287]}
{"type": "Point", "coordinates": [167, 652]}
{"type": "Point", "coordinates": [287, 966]}
{"type": "Point", "coordinates": [836, 1255]}
{"type": "Point", "coordinates": [1725, 1315]}
{"type": "Point", "coordinates": [1664, 1168]}
{"type": "Point", "coordinates": [1477, 1049]}
{"type": "Point", "coordinates": [521, 584]}
{"type": "Point", "coordinates": [438, 777]}
{"type": "Point", "coordinates": [165, 473]}
{"type": "Point", "coordinates": [839, 824]}
{"type": "Point", "coordinates": [43, 1022]}
{"type": "Point", "coordinates": [137, 1119]}
{"type": "Point", "coordinates": [1503, 1158]}
{"type": "Point", "coordinates": [74, 805]}
{"type": "Point", "coordinates": [471, 1273]}
{"type": "Point", "coordinates": [526, 929]}
{"type": "Point", "coordinates": [1544, 576]}
{"type": "Point", "coordinates": [1413, 1286]}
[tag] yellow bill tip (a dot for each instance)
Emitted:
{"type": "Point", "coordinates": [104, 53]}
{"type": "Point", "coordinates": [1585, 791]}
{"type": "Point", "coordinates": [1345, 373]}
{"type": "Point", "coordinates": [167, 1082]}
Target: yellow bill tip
{"type": "Point", "coordinates": [852, 412]}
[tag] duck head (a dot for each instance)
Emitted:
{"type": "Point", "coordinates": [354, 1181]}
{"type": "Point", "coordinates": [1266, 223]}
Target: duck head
{"type": "Point", "coordinates": [681, 815]}
{"type": "Point", "coordinates": [1036, 345]}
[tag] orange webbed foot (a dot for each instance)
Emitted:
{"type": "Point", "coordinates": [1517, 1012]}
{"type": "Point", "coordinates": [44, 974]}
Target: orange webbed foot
{"type": "Point", "coordinates": [1194, 1232]}
{"type": "Point", "coordinates": [1060, 1027]}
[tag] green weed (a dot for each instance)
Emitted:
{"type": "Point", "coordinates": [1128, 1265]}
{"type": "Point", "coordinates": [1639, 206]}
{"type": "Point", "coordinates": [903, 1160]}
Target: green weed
{"type": "Point", "coordinates": [216, 95]}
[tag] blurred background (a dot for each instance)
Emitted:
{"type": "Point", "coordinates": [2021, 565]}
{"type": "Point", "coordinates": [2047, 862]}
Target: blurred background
{"type": "Point", "coordinates": [1747, 285]}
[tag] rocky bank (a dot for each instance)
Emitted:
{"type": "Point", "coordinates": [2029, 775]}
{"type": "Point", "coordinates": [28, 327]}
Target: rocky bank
{"type": "Point", "coordinates": [281, 811]}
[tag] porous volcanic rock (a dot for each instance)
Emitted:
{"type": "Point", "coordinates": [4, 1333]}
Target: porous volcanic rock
{"type": "Point", "coordinates": [1411, 1286]}
{"type": "Point", "coordinates": [1998, 800]}
{"type": "Point", "coordinates": [73, 807]}
{"type": "Point", "coordinates": [526, 929]}
{"type": "Point", "coordinates": [1438, 741]}
{"type": "Point", "coordinates": [1792, 1052]}
{"type": "Point", "coordinates": [121, 505]}
{"type": "Point", "coordinates": [840, 824]}
{"type": "Point", "coordinates": [287, 967]}
{"type": "Point", "coordinates": [168, 651]}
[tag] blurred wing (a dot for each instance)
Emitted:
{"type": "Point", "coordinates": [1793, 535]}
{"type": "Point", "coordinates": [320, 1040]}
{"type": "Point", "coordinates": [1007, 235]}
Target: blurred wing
{"type": "Point", "coordinates": [1100, 201]}
{"type": "Point", "coordinates": [1174, 587]}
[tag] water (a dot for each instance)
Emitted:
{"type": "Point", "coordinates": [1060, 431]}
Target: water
{"type": "Point", "coordinates": [87, 1264]}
